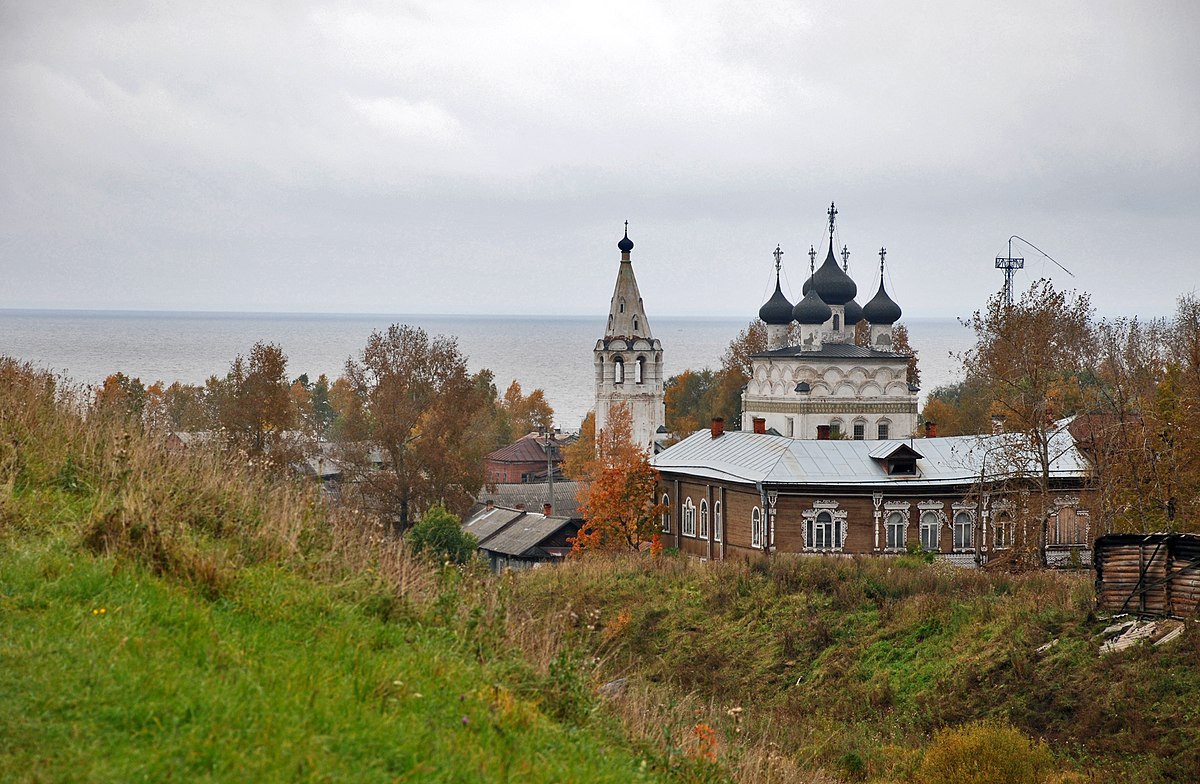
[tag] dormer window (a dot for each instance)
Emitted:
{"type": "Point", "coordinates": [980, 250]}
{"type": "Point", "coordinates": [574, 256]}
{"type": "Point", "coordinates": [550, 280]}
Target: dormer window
{"type": "Point", "coordinates": [896, 459]}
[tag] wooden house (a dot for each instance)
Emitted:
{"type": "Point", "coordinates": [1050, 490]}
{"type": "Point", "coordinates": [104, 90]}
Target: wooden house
{"type": "Point", "coordinates": [965, 498]}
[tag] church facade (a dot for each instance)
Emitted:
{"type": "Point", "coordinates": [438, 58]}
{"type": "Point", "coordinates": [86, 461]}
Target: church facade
{"type": "Point", "coordinates": [826, 385]}
{"type": "Point", "coordinates": [629, 359]}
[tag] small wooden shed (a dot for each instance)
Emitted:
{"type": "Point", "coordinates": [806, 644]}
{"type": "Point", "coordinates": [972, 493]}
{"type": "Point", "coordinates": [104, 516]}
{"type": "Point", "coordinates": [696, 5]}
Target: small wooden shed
{"type": "Point", "coordinates": [1148, 574]}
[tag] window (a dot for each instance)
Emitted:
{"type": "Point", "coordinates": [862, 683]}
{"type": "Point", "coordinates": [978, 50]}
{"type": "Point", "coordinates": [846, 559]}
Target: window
{"type": "Point", "coordinates": [895, 530]}
{"type": "Point", "coordinates": [1002, 531]}
{"type": "Point", "coordinates": [689, 518]}
{"type": "Point", "coordinates": [883, 431]}
{"type": "Point", "coordinates": [929, 532]}
{"type": "Point", "coordinates": [963, 525]}
{"type": "Point", "coordinates": [820, 533]}
{"type": "Point", "coordinates": [618, 370]}
{"type": "Point", "coordinates": [756, 528]}
{"type": "Point", "coordinates": [666, 515]}
{"type": "Point", "coordinates": [639, 370]}
{"type": "Point", "coordinates": [635, 325]}
{"type": "Point", "coordinates": [622, 306]}
{"type": "Point", "coordinates": [718, 524]}
{"type": "Point", "coordinates": [860, 431]}
{"type": "Point", "coordinates": [837, 323]}
{"type": "Point", "coordinates": [790, 426]}
{"type": "Point", "coordinates": [703, 519]}
{"type": "Point", "coordinates": [835, 428]}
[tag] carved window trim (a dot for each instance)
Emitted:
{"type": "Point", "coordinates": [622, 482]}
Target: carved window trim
{"type": "Point", "coordinates": [837, 521]}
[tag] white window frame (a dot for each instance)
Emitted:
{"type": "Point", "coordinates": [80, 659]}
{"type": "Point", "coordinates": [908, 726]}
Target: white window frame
{"type": "Point", "coordinates": [1003, 528]}
{"type": "Point", "coordinates": [618, 370]}
{"type": "Point", "coordinates": [756, 528]}
{"type": "Point", "coordinates": [931, 521]}
{"type": "Point", "coordinates": [703, 518]}
{"type": "Point", "coordinates": [688, 528]}
{"type": "Point", "coordinates": [883, 429]}
{"type": "Point", "coordinates": [858, 430]}
{"type": "Point", "coordinates": [959, 516]}
{"type": "Point", "coordinates": [825, 513]}
{"type": "Point", "coordinates": [666, 515]}
{"type": "Point", "coordinates": [718, 523]}
{"type": "Point", "coordinates": [895, 520]}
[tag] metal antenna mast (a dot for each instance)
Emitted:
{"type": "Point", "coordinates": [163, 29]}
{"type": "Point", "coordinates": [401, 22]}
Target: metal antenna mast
{"type": "Point", "coordinates": [1010, 264]}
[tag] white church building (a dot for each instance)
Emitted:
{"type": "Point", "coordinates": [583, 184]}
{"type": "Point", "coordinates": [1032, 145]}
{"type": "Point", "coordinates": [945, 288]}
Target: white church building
{"type": "Point", "coordinates": [826, 385]}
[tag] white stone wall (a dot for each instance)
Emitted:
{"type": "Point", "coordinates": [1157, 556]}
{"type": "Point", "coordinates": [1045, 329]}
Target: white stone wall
{"type": "Point", "coordinates": [845, 391]}
{"type": "Point", "coordinates": [645, 400]}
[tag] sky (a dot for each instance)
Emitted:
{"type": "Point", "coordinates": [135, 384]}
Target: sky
{"type": "Point", "coordinates": [481, 158]}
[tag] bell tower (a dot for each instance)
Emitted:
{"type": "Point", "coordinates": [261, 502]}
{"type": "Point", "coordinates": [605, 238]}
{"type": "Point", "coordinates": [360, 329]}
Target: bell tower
{"type": "Point", "coordinates": [628, 359]}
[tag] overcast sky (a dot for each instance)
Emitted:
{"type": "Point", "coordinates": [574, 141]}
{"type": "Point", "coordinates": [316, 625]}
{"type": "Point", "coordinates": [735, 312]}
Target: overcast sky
{"type": "Point", "coordinates": [446, 157]}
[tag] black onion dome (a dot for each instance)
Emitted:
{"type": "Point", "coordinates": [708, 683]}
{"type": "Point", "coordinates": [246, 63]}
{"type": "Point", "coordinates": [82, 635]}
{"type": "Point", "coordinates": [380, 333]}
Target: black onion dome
{"type": "Point", "coordinates": [777, 310]}
{"type": "Point", "coordinates": [854, 313]}
{"type": "Point", "coordinates": [832, 282]}
{"type": "Point", "coordinates": [625, 245]}
{"type": "Point", "coordinates": [881, 309]}
{"type": "Point", "coordinates": [812, 309]}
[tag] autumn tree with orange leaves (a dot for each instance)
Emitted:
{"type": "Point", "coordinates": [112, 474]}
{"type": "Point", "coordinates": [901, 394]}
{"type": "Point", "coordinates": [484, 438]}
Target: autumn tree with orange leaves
{"type": "Point", "coordinates": [618, 499]}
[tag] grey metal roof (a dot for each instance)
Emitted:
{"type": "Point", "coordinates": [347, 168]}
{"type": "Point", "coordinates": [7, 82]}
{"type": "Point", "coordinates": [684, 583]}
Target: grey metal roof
{"type": "Point", "coordinates": [833, 351]}
{"type": "Point", "coordinates": [488, 521]}
{"type": "Point", "coordinates": [532, 495]}
{"type": "Point", "coordinates": [749, 457]}
{"type": "Point", "coordinates": [512, 531]}
{"type": "Point", "coordinates": [524, 534]}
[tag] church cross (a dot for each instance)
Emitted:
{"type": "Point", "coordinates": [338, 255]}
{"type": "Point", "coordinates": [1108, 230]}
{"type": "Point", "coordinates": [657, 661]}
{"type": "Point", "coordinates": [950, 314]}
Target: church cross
{"type": "Point", "coordinates": [832, 213]}
{"type": "Point", "coordinates": [882, 254]}
{"type": "Point", "coordinates": [845, 258]}
{"type": "Point", "coordinates": [626, 228]}
{"type": "Point", "coordinates": [812, 259]}
{"type": "Point", "coordinates": [778, 254]}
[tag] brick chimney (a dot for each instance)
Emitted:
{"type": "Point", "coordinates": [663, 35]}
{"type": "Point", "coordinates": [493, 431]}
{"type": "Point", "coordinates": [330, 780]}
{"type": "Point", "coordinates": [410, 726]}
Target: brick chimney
{"type": "Point", "coordinates": [822, 432]}
{"type": "Point", "coordinates": [718, 427]}
{"type": "Point", "coordinates": [491, 504]}
{"type": "Point", "coordinates": [546, 509]}
{"type": "Point", "coordinates": [931, 429]}
{"type": "Point", "coordinates": [760, 425]}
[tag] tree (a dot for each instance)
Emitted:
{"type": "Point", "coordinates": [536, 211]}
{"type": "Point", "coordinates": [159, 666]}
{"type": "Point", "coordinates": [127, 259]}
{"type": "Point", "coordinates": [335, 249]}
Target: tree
{"type": "Point", "coordinates": [578, 458]}
{"type": "Point", "coordinates": [689, 401]}
{"type": "Point", "coordinates": [184, 408]}
{"type": "Point", "coordinates": [1031, 356]}
{"type": "Point", "coordinates": [412, 399]}
{"type": "Point", "coordinates": [121, 396]}
{"type": "Point", "coordinates": [254, 403]}
{"type": "Point", "coordinates": [619, 500]}
{"type": "Point", "coordinates": [527, 413]}
{"type": "Point", "coordinates": [439, 534]}
{"type": "Point", "coordinates": [959, 409]}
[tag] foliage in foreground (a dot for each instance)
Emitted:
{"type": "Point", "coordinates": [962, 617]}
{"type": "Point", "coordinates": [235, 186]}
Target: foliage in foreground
{"type": "Point", "coordinates": [188, 617]}
{"type": "Point", "coordinates": [853, 665]}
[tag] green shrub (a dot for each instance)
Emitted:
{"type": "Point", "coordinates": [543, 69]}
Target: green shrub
{"type": "Point", "coordinates": [985, 752]}
{"type": "Point", "coordinates": [440, 534]}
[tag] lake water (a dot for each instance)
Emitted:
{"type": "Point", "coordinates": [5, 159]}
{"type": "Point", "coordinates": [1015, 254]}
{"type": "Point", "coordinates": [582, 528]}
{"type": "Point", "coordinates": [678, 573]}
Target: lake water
{"type": "Point", "coordinates": [551, 352]}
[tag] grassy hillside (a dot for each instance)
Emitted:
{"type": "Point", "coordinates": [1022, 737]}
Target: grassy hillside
{"type": "Point", "coordinates": [182, 617]}
{"type": "Point", "coordinates": [849, 666]}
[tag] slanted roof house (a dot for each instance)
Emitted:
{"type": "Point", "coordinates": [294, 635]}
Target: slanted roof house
{"type": "Point", "coordinates": [962, 498]}
{"type": "Point", "coordinates": [517, 539]}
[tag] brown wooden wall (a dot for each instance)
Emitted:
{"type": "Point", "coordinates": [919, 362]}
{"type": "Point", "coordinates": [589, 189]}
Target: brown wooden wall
{"type": "Point", "coordinates": [740, 499]}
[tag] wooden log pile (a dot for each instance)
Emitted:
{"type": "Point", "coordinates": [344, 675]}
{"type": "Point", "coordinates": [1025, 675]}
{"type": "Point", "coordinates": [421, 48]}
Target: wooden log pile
{"type": "Point", "coordinates": [1148, 574]}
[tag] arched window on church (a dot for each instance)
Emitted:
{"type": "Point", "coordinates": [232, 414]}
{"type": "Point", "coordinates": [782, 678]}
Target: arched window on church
{"type": "Point", "coordinates": [639, 370]}
{"type": "Point", "coordinates": [618, 370]}
{"type": "Point", "coordinates": [622, 305]}
{"type": "Point", "coordinates": [635, 325]}
{"type": "Point", "coordinates": [837, 323]}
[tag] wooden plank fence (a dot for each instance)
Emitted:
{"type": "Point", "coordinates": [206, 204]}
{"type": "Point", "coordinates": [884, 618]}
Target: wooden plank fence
{"type": "Point", "coordinates": [1148, 574]}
